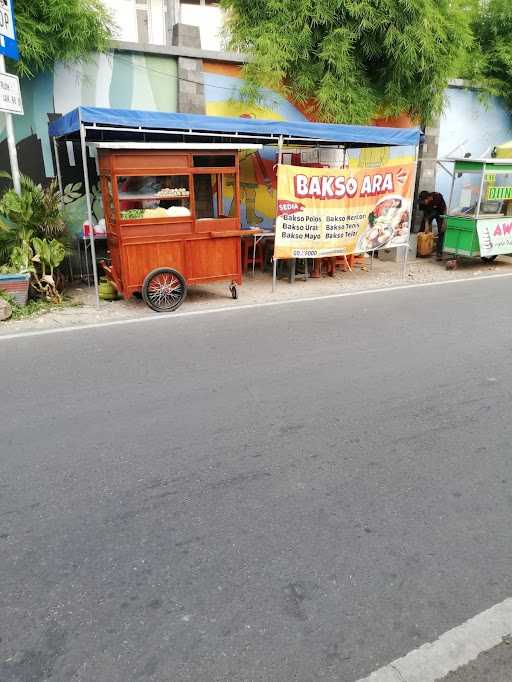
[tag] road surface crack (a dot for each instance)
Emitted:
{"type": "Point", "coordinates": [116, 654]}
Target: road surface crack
{"type": "Point", "coordinates": [398, 672]}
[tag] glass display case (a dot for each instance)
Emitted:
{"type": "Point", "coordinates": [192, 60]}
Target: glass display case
{"type": "Point", "coordinates": [152, 196]}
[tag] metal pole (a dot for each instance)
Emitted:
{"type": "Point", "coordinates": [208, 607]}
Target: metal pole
{"type": "Point", "coordinates": [89, 213]}
{"type": "Point", "coordinates": [404, 261]}
{"type": "Point", "coordinates": [481, 192]}
{"type": "Point", "coordinates": [59, 175]}
{"type": "Point", "coordinates": [274, 259]}
{"type": "Point", "coordinates": [454, 175]}
{"type": "Point", "coordinates": [412, 212]}
{"type": "Point", "coordinates": [61, 196]}
{"type": "Point", "coordinates": [11, 142]}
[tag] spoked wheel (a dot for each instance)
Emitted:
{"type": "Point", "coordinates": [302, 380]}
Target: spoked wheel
{"type": "Point", "coordinates": [234, 291]}
{"type": "Point", "coordinates": [164, 290]}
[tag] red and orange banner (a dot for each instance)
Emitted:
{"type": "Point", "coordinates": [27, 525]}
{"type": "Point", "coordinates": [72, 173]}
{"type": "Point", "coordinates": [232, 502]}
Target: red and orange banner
{"type": "Point", "coordinates": [327, 212]}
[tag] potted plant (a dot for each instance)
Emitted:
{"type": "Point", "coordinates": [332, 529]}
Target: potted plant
{"type": "Point", "coordinates": [31, 240]}
{"type": "Point", "coordinates": [16, 273]}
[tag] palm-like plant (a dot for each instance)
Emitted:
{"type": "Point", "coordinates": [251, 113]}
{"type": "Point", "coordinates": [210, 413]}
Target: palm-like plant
{"type": "Point", "coordinates": [32, 234]}
{"type": "Point", "coordinates": [35, 209]}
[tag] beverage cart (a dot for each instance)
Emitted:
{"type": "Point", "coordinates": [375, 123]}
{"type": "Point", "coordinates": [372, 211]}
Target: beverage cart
{"type": "Point", "coordinates": [479, 218]}
{"type": "Point", "coordinates": [173, 218]}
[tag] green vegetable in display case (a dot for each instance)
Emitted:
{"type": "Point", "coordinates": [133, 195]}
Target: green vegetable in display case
{"type": "Point", "coordinates": [132, 214]}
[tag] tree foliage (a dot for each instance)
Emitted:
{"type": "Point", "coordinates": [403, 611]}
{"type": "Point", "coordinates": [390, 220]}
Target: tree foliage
{"type": "Point", "coordinates": [357, 59]}
{"type": "Point", "coordinates": [490, 62]}
{"type": "Point", "coordinates": [59, 30]}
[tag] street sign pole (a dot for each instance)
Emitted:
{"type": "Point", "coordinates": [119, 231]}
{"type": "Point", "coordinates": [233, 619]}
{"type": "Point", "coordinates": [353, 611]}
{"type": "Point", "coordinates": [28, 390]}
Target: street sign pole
{"type": "Point", "coordinates": [11, 142]}
{"type": "Point", "coordinates": [10, 87]}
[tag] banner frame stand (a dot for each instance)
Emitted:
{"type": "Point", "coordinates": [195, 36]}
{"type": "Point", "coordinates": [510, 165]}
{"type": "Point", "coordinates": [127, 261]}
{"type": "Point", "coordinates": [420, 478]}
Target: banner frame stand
{"type": "Point", "coordinates": [405, 259]}
{"type": "Point", "coordinates": [274, 259]}
{"type": "Point", "coordinates": [406, 250]}
{"type": "Point", "coordinates": [405, 247]}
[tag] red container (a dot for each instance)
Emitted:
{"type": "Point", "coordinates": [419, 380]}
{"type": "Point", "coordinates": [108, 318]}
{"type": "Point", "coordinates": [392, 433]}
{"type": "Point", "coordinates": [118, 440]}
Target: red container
{"type": "Point", "coordinates": [17, 286]}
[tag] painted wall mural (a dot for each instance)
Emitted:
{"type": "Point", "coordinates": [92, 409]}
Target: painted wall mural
{"type": "Point", "coordinates": [258, 180]}
{"type": "Point", "coordinates": [145, 81]}
{"type": "Point", "coordinates": [118, 80]}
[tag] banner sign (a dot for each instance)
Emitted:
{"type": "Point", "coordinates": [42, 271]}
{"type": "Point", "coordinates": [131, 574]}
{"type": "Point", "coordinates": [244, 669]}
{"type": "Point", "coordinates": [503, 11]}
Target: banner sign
{"type": "Point", "coordinates": [328, 212]}
{"type": "Point", "coordinates": [10, 94]}
{"type": "Point", "coordinates": [8, 44]}
{"type": "Point", "coordinates": [499, 193]}
{"type": "Point", "coordinates": [495, 236]}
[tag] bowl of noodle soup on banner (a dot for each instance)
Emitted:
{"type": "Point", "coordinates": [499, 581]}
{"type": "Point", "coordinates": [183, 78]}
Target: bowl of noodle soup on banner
{"type": "Point", "coordinates": [388, 224]}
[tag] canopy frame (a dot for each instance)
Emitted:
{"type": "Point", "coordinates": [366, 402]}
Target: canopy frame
{"type": "Point", "coordinates": [98, 122]}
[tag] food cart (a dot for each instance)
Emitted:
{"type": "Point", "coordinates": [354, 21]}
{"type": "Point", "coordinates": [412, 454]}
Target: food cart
{"type": "Point", "coordinates": [168, 221]}
{"type": "Point", "coordinates": [479, 208]}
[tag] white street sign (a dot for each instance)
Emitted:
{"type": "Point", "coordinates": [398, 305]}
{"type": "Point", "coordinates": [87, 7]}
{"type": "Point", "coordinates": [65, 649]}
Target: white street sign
{"type": "Point", "coordinates": [10, 94]}
{"type": "Point", "coordinates": [6, 19]}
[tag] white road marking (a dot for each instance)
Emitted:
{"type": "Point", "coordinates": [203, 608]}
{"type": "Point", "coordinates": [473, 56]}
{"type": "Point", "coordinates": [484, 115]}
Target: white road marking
{"type": "Point", "coordinates": [454, 649]}
{"type": "Point", "coordinates": [158, 317]}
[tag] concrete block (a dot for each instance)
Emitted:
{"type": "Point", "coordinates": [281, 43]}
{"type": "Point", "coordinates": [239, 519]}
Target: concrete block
{"type": "Point", "coordinates": [5, 309]}
{"type": "Point", "coordinates": [185, 35]}
{"type": "Point", "coordinates": [191, 104]}
{"type": "Point", "coordinates": [189, 64]}
{"type": "Point", "coordinates": [431, 130]}
{"type": "Point", "coordinates": [185, 87]}
{"type": "Point", "coordinates": [190, 76]}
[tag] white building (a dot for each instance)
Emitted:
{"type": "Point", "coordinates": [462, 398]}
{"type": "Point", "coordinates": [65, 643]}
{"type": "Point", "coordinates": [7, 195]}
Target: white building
{"type": "Point", "coordinates": [149, 22]}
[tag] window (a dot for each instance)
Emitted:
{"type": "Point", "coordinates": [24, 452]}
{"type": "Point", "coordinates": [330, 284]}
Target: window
{"type": "Point", "coordinates": [210, 19]}
{"type": "Point", "coordinates": [466, 190]}
{"type": "Point", "coordinates": [209, 161]}
{"type": "Point", "coordinates": [214, 195]}
{"type": "Point", "coordinates": [497, 193]}
{"type": "Point", "coordinates": [154, 196]}
{"type": "Point", "coordinates": [152, 21]}
{"type": "Point", "coordinates": [142, 21]}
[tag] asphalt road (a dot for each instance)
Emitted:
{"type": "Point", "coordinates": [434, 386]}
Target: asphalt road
{"type": "Point", "coordinates": [301, 492]}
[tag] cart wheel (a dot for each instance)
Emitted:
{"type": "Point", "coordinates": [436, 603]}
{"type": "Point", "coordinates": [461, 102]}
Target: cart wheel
{"type": "Point", "coordinates": [234, 291]}
{"type": "Point", "coordinates": [488, 259]}
{"type": "Point", "coordinates": [164, 290]}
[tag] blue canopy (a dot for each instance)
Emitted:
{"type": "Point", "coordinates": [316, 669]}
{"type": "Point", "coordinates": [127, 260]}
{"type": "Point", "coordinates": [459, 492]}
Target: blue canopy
{"type": "Point", "coordinates": [188, 124]}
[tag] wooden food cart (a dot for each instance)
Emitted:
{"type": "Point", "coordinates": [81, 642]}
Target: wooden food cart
{"type": "Point", "coordinates": [480, 204]}
{"type": "Point", "coordinates": [173, 218]}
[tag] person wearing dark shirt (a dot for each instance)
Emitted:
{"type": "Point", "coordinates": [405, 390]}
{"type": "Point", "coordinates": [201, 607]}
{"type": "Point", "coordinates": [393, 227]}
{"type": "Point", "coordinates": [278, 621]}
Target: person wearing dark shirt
{"type": "Point", "coordinates": [433, 206]}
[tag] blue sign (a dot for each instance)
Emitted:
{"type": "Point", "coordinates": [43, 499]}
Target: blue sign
{"type": "Point", "coordinates": [10, 49]}
{"type": "Point", "coordinates": [8, 44]}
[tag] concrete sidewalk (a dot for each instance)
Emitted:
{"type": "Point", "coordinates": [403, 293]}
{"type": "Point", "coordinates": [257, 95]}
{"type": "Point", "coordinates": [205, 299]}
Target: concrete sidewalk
{"type": "Point", "coordinates": [258, 289]}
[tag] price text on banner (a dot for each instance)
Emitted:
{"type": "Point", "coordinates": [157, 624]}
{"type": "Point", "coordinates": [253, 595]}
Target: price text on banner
{"type": "Point", "coordinates": [327, 212]}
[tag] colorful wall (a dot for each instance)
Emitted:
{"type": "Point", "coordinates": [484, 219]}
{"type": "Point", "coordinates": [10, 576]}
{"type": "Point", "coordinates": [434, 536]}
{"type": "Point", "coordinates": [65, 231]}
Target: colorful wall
{"type": "Point", "coordinates": [146, 81]}
{"type": "Point", "coordinates": [119, 80]}
{"type": "Point", "coordinates": [257, 169]}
